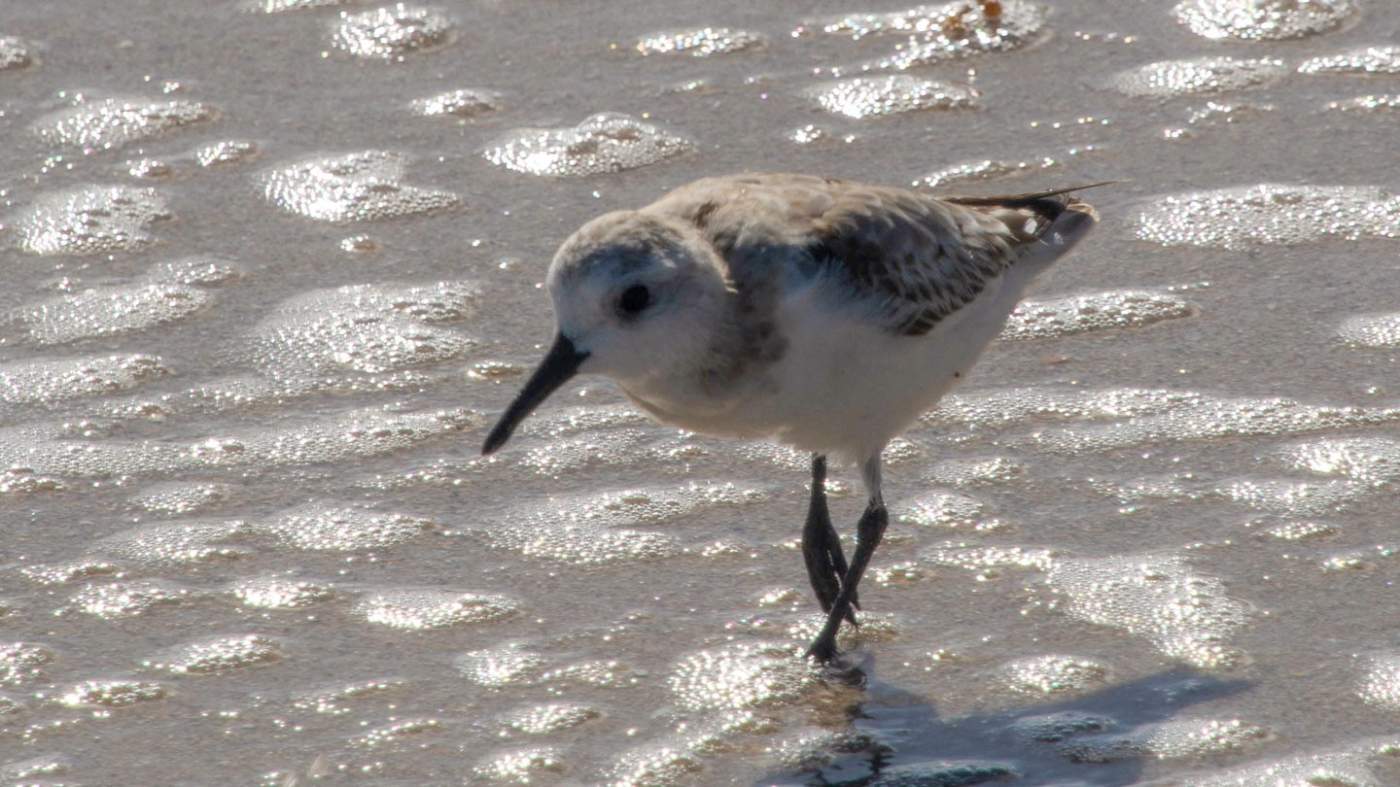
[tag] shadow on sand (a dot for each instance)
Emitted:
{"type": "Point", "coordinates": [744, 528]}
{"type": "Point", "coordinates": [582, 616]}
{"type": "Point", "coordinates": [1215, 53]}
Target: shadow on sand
{"type": "Point", "coordinates": [898, 740]}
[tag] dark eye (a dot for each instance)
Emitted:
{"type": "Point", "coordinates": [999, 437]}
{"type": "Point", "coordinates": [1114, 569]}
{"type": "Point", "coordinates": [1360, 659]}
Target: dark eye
{"type": "Point", "coordinates": [634, 299]}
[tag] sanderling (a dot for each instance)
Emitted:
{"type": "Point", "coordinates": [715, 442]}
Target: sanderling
{"type": "Point", "coordinates": [821, 313]}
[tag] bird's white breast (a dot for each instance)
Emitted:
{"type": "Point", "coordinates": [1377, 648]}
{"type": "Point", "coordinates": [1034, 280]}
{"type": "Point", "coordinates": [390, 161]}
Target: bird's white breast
{"type": "Point", "coordinates": [844, 384]}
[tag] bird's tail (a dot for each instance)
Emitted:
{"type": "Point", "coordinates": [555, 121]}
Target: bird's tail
{"type": "Point", "coordinates": [1048, 206]}
{"type": "Point", "coordinates": [1049, 223]}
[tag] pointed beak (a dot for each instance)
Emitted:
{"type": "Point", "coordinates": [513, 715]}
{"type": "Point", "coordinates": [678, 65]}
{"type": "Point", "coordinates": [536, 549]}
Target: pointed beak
{"type": "Point", "coordinates": [559, 364]}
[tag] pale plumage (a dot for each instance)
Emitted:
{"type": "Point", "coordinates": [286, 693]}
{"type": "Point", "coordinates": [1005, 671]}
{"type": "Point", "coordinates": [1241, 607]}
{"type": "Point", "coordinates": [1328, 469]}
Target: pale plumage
{"type": "Point", "coordinates": [823, 313]}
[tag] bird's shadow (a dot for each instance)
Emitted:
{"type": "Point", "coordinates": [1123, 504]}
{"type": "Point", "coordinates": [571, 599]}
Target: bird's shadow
{"type": "Point", "coordinates": [897, 737]}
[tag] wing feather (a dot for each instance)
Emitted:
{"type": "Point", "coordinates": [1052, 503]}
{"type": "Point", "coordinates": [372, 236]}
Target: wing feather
{"type": "Point", "coordinates": [914, 258]}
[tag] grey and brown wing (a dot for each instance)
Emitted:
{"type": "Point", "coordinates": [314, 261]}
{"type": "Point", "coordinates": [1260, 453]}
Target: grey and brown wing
{"type": "Point", "coordinates": [914, 258]}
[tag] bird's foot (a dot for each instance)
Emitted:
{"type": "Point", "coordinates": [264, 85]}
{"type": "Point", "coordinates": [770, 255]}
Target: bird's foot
{"type": "Point", "coordinates": [823, 650]}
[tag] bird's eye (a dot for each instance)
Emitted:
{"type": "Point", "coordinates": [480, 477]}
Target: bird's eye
{"type": "Point", "coordinates": [634, 299]}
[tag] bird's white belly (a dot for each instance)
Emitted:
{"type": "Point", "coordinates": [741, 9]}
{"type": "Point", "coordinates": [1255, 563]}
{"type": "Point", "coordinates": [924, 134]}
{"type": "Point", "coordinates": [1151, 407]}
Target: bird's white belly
{"type": "Point", "coordinates": [847, 386]}
{"type": "Point", "coordinates": [844, 385]}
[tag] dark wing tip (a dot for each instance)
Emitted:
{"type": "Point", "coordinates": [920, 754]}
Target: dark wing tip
{"type": "Point", "coordinates": [1048, 204]}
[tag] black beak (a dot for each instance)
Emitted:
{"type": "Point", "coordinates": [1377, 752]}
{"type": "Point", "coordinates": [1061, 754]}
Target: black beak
{"type": "Point", "coordinates": [559, 364]}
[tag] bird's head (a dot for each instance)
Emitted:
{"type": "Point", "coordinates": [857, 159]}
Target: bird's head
{"type": "Point", "coordinates": [635, 297]}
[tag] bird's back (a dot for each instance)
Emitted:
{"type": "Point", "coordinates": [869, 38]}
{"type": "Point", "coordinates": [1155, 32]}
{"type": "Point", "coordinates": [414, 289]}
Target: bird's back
{"type": "Point", "coordinates": [915, 258]}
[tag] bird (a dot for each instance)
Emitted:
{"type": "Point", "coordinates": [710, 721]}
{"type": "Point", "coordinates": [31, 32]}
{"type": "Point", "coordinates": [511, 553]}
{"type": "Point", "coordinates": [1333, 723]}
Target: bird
{"type": "Point", "coordinates": [823, 313]}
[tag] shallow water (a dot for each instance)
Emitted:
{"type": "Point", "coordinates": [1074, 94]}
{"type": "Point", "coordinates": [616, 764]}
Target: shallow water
{"type": "Point", "coordinates": [270, 268]}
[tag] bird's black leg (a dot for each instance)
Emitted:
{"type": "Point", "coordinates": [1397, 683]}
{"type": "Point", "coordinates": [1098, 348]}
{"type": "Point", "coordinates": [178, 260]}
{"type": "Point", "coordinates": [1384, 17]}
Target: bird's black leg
{"type": "Point", "coordinates": [821, 546]}
{"type": "Point", "coordinates": [869, 532]}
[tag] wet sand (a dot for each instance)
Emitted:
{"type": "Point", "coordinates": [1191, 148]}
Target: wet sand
{"type": "Point", "coordinates": [268, 270]}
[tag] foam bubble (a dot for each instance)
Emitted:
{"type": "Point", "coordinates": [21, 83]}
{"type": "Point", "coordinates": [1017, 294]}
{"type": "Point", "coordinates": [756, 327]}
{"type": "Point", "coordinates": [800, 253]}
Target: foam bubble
{"type": "Point", "coordinates": [521, 766]}
{"type": "Point", "coordinates": [1363, 60]}
{"type": "Point", "coordinates": [592, 529]}
{"type": "Point", "coordinates": [229, 151]}
{"type": "Point", "coordinates": [863, 97]}
{"type": "Point", "coordinates": [149, 168]}
{"type": "Point", "coordinates": [111, 123]}
{"type": "Point", "coordinates": [391, 32]}
{"type": "Point", "coordinates": [808, 134]}
{"type": "Point", "coordinates": [1295, 498]}
{"type": "Point", "coordinates": [14, 53]}
{"type": "Point", "coordinates": [418, 609]}
{"type": "Point", "coordinates": [90, 220]}
{"type": "Point", "coordinates": [941, 772]}
{"type": "Point", "coordinates": [1353, 765]}
{"type": "Point", "coordinates": [948, 31]}
{"type": "Point", "coordinates": [603, 143]}
{"type": "Point", "coordinates": [199, 269]}
{"type": "Point", "coordinates": [280, 592]}
{"type": "Point", "coordinates": [44, 380]}
{"type": "Point", "coordinates": [183, 497]}
{"type": "Point", "coordinates": [963, 18]}
{"type": "Point", "coordinates": [985, 560]}
{"type": "Point", "coordinates": [701, 42]}
{"type": "Point", "coordinates": [565, 421]}
{"type": "Point", "coordinates": [129, 599]}
{"type": "Point", "coordinates": [1176, 738]}
{"type": "Point", "coordinates": [283, 6]}
{"type": "Point", "coordinates": [1055, 727]}
{"type": "Point", "coordinates": [602, 673]}
{"type": "Point", "coordinates": [46, 448]}
{"type": "Point", "coordinates": [71, 571]}
{"type": "Point", "coordinates": [657, 764]}
{"type": "Point", "coordinates": [511, 664]}
{"type": "Point", "coordinates": [1262, 20]}
{"type": "Point", "coordinates": [395, 732]}
{"type": "Point", "coordinates": [1196, 76]}
{"type": "Point", "coordinates": [175, 542]}
{"type": "Point", "coordinates": [1381, 683]}
{"type": "Point", "coordinates": [111, 693]}
{"type": "Point", "coordinates": [1367, 103]}
{"type": "Point", "coordinates": [1358, 559]}
{"type": "Point", "coordinates": [1270, 213]}
{"type": "Point", "coordinates": [1215, 113]}
{"type": "Point", "coordinates": [1210, 418]}
{"type": "Point", "coordinates": [810, 749]}
{"type": "Point", "coordinates": [1370, 460]}
{"type": "Point", "coordinates": [939, 509]}
{"type": "Point", "coordinates": [331, 701]}
{"type": "Point", "coordinates": [463, 103]}
{"type": "Point", "coordinates": [110, 311]}
{"type": "Point", "coordinates": [874, 627]}
{"type": "Point", "coordinates": [1185, 615]}
{"type": "Point", "coordinates": [1050, 318]}
{"type": "Point", "coordinates": [1371, 330]}
{"type": "Point", "coordinates": [676, 758]}
{"type": "Point", "coordinates": [362, 329]}
{"type": "Point", "coordinates": [559, 457]}
{"type": "Point", "coordinates": [1005, 406]}
{"type": "Point", "coordinates": [1300, 531]}
{"type": "Point", "coordinates": [322, 528]}
{"type": "Point", "coordinates": [1054, 674]}
{"type": "Point", "coordinates": [742, 675]}
{"type": "Point", "coordinates": [27, 771]}
{"type": "Point", "coordinates": [585, 544]}
{"type": "Point", "coordinates": [362, 186]}
{"type": "Point", "coordinates": [21, 662]}
{"type": "Point", "coordinates": [355, 434]}
{"type": "Point", "coordinates": [217, 655]}
{"type": "Point", "coordinates": [24, 481]}
{"type": "Point", "coordinates": [548, 718]}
